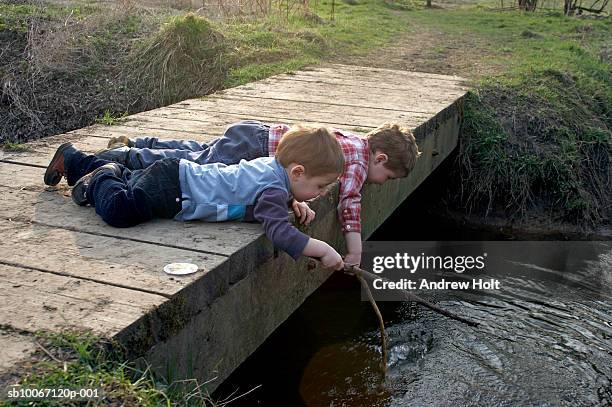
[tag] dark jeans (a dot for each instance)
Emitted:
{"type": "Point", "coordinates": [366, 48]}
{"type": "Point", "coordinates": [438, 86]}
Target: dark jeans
{"type": "Point", "coordinates": [132, 198]}
{"type": "Point", "coordinates": [244, 140]}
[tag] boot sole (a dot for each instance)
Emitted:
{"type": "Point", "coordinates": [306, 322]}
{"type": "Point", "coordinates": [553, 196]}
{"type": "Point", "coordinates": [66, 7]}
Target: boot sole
{"type": "Point", "coordinates": [78, 191]}
{"type": "Point", "coordinates": [53, 177]}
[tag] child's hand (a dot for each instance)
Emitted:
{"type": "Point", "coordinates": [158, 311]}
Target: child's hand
{"type": "Point", "coordinates": [352, 259]}
{"type": "Point", "coordinates": [303, 212]}
{"type": "Point", "coordinates": [326, 254]}
{"type": "Point", "coordinates": [332, 260]}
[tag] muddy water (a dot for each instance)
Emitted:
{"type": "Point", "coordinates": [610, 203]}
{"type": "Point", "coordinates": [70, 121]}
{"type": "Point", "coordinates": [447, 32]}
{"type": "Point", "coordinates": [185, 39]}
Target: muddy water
{"type": "Point", "coordinates": [533, 347]}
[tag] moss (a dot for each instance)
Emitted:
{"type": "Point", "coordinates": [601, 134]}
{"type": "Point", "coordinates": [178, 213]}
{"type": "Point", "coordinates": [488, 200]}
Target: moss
{"type": "Point", "coordinates": [173, 316]}
{"type": "Point", "coordinates": [141, 339]}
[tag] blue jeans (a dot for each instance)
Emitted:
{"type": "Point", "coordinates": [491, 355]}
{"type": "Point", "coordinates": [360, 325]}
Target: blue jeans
{"type": "Point", "coordinates": [244, 140]}
{"type": "Point", "coordinates": [132, 198]}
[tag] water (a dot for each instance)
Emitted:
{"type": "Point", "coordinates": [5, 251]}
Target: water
{"type": "Point", "coordinates": [529, 349]}
{"type": "Point", "coordinates": [532, 348]}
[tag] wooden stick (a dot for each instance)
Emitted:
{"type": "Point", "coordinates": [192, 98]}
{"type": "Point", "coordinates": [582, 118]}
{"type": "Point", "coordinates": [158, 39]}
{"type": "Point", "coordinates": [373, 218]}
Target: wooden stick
{"type": "Point", "coordinates": [381, 323]}
{"type": "Point", "coordinates": [415, 298]}
{"type": "Point", "coordinates": [361, 275]}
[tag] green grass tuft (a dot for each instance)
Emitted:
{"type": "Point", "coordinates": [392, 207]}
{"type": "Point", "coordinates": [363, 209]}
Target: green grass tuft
{"type": "Point", "coordinates": [110, 119]}
{"type": "Point", "coordinates": [85, 360]}
{"type": "Point", "coordinates": [15, 147]}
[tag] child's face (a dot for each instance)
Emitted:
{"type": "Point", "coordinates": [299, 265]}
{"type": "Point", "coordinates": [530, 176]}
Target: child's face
{"type": "Point", "coordinates": [377, 172]}
{"type": "Point", "coordinates": [304, 187]}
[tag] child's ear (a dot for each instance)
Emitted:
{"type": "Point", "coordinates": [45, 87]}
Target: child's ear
{"type": "Point", "coordinates": [381, 158]}
{"type": "Point", "coordinates": [297, 170]}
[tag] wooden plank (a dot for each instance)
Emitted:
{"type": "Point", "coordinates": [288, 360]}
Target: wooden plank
{"type": "Point", "coordinates": [17, 349]}
{"type": "Point", "coordinates": [371, 81]}
{"type": "Point", "coordinates": [106, 260]}
{"type": "Point", "coordinates": [384, 75]}
{"type": "Point", "coordinates": [232, 102]}
{"type": "Point", "coordinates": [228, 118]}
{"type": "Point", "coordinates": [351, 90]}
{"type": "Point", "coordinates": [299, 111]}
{"type": "Point", "coordinates": [195, 124]}
{"type": "Point", "coordinates": [334, 97]}
{"type": "Point", "coordinates": [33, 300]}
{"type": "Point", "coordinates": [24, 197]}
{"type": "Point", "coordinates": [134, 131]}
{"type": "Point", "coordinates": [41, 152]}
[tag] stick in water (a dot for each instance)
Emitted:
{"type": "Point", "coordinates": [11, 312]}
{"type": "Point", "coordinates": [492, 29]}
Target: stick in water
{"type": "Point", "coordinates": [415, 298]}
{"type": "Point", "coordinates": [357, 272]}
{"type": "Point", "coordinates": [362, 275]}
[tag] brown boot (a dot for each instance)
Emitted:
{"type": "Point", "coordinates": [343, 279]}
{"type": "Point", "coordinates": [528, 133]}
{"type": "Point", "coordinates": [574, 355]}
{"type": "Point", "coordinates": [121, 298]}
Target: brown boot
{"type": "Point", "coordinates": [55, 169]}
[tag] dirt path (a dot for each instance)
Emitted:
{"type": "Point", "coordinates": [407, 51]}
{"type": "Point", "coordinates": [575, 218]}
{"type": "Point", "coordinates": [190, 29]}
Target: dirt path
{"type": "Point", "coordinates": [429, 49]}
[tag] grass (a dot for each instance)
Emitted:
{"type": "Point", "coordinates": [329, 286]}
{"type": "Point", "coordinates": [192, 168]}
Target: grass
{"type": "Point", "coordinates": [275, 45]}
{"type": "Point", "coordinates": [537, 132]}
{"type": "Point", "coordinates": [15, 147]}
{"type": "Point", "coordinates": [83, 360]}
{"type": "Point", "coordinates": [110, 119]}
{"type": "Point", "coordinates": [13, 16]}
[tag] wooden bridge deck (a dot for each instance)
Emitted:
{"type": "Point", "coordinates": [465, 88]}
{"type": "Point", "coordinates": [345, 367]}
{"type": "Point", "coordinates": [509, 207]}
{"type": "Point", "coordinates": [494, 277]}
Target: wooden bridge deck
{"type": "Point", "coordinates": [62, 268]}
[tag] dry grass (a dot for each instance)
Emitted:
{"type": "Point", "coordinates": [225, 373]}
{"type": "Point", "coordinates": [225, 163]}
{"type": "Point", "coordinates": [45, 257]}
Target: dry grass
{"type": "Point", "coordinates": [186, 57]}
{"type": "Point", "coordinates": [70, 67]}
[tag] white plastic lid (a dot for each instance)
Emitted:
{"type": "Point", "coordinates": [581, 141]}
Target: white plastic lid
{"type": "Point", "coordinates": [180, 269]}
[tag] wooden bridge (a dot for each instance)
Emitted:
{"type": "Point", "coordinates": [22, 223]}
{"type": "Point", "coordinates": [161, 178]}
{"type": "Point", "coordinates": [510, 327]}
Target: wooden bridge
{"type": "Point", "coordinates": [62, 268]}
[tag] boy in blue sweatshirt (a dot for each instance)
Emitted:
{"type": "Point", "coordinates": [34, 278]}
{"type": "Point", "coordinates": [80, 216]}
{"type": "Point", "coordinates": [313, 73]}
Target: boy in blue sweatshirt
{"type": "Point", "coordinates": [387, 152]}
{"type": "Point", "coordinates": [307, 161]}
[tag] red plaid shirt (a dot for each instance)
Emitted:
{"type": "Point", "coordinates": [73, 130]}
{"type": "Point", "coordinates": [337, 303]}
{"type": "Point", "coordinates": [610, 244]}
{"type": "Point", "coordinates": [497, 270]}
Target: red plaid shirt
{"type": "Point", "coordinates": [356, 157]}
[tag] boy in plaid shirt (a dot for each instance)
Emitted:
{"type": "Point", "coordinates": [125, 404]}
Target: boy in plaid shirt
{"type": "Point", "coordinates": [388, 152]}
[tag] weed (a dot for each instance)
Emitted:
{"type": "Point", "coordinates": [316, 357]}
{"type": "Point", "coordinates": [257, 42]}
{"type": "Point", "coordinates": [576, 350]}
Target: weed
{"type": "Point", "coordinates": [14, 17]}
{"type": "Point", "coordinates": [530, 34]}
{"type": "Point", "coordinates": [110, 119]}
{"type": "Point", "coordinates": [15, 147]}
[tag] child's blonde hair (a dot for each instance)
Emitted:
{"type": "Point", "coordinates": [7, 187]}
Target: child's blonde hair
{"type": "Point", "coordinates": [398, 143]}
{"type": "Point", "coordinates": [316, 149]}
